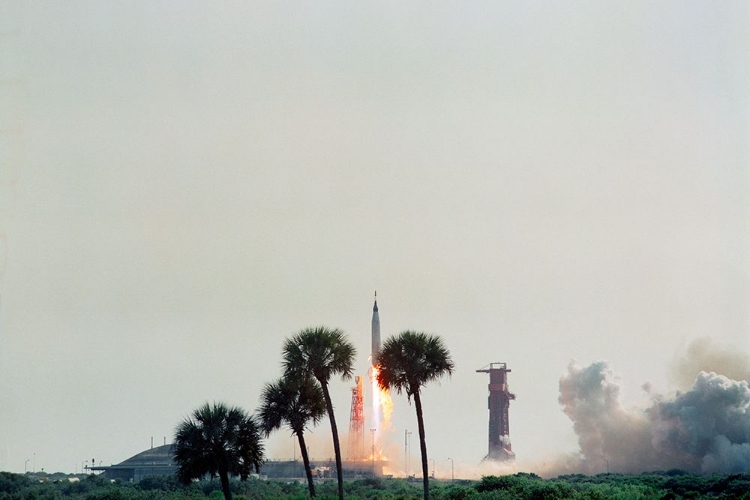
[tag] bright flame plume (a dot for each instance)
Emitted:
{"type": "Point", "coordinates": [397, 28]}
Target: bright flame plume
{"type": "Point", "coordinates": [382, 409]}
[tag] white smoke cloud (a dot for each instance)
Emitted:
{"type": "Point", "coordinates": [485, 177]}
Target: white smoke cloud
{"type": "Point", "coordinates": [609, 435]}
{"type": "Point", "coordinates": [704, 429]}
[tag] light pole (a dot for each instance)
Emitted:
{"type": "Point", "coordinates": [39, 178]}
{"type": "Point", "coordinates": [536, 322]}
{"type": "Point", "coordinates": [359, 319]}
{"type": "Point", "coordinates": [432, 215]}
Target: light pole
{"type": "Point", "coordinates": [406, 452]}
{"type": "Point", "coordinates": [406, 463]}
{"type": "Point", "coordinates": [452, 476]}
{"type": "Point", "coordinates": [25, 464]}
{"type": "Point", "coordinates": [373, 451]}
{"type": "Point", "coordinates": [294, 453]}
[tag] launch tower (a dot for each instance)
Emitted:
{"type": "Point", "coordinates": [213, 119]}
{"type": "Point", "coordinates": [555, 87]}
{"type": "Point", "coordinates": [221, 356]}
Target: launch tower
{"type": "Point", "coordinates": [498, 403]}
{"type": "Point", "coordinates": [357, 422]}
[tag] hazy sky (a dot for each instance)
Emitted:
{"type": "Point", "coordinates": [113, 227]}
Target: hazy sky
{"type": "Point", "coordinates": [185, 184]}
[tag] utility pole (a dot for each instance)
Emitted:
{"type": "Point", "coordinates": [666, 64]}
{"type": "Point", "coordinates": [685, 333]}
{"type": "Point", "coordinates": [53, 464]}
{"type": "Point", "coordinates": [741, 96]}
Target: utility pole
{"type": "Point", "coordinates": [373, 451]}
{"type": "Point", "coordinates": [406, 452]}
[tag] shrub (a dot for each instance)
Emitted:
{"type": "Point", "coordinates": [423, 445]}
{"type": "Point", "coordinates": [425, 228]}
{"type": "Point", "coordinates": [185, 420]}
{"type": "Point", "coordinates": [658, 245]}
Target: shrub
{"type": "Point", "coordinates": [492, 483]}
{"type": "Point", "coordinates": [12, 483]}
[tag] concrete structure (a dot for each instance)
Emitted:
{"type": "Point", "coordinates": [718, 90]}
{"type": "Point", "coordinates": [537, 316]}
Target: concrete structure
{"type": "Point", "coordinates": [498, 403]}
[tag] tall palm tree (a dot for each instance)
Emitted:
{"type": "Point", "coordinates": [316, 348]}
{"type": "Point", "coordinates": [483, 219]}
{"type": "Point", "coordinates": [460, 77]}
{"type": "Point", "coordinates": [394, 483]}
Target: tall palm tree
{"type": "Point", "coordinates": [293, 402]}
{"type": "Point", "coordinates": [407, 362]}
{"type": "Point", "coordinates": [217, 440]}
{"type": "Point", "coordinates": [321, 353]}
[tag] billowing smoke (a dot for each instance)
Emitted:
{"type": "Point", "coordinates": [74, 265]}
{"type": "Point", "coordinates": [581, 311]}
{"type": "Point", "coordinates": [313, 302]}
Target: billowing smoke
{"type": "Point", "coordinates": [608, 434]}
{"type": "Point", "coordinates": [703, 355]}
{"type": "Point", "coordinates": [704, 429]}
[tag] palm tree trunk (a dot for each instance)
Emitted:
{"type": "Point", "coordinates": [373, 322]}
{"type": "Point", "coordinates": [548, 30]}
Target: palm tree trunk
{"type": "Point", "coordinates": [422, 446]}
{"type": "Point", "coordinates": [335, 432]}
{"type": "Point", "coordinates": [306, 461]}
{"type": "Point", "coordinates": [224, 477]}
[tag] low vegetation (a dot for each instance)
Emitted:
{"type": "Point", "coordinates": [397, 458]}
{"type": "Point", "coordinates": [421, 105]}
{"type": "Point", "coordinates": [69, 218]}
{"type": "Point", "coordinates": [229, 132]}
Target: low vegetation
{"type": "Point", "coordinates": [674, 484]}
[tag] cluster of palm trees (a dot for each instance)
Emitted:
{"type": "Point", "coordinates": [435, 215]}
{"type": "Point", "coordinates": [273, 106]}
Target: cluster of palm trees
{"type": "Point", "coordinates": [221, 441]}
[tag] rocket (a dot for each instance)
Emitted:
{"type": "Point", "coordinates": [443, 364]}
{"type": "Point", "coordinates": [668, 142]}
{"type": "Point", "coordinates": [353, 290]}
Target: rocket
{"type": "Point", "coordinates": [375, 332]}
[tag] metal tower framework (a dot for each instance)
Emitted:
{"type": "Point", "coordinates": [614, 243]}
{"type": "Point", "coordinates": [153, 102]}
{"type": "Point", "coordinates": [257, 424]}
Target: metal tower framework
{"type": "Point", "coordinates": [357, 422]}
{"type": "Point", "coordinates": [498, 403]}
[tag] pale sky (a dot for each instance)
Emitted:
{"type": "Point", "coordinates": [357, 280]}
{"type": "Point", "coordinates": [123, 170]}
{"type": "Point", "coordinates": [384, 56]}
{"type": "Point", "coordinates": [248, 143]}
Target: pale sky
{"type": "Point", "coordinates": [185, 184]}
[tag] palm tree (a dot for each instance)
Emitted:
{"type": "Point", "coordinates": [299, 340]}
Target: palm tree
{"type": "Point", "coordinates": [217, 440]}
{"type": "Point", "coordinates": [294, 402]}
{"type": "Point", "coordinates": [321, 353]}
{"type": "Point", "coordinates": [407, 362]}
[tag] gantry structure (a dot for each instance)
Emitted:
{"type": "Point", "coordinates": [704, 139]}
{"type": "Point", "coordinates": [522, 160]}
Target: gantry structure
{"type": "Point", "coordinates": [498, 402]}
{"type": "Point", "coordinates": [357, 422]}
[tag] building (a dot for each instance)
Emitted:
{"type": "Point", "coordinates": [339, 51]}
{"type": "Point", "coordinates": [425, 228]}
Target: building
{"type": "Point", "coordinates": [159, 461]}
{"type": "Point", "coordinates": [152, 462]}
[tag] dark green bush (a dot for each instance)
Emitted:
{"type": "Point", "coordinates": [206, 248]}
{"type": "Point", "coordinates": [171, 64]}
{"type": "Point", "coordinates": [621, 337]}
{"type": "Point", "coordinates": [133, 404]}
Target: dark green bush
{"type": "Point", "coordinates": [492, 483]}
{"type": "Point", "coordinates": [672, 484]}
{"type": "Point", "coordinates": [12, 483]}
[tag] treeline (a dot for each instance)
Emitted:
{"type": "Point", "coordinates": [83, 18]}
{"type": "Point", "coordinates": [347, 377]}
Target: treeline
{"type": "Point", "coordinates": [675, 484]}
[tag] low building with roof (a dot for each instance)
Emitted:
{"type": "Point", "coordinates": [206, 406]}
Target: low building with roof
{"type": "Point", "coordinates": [157, 461]}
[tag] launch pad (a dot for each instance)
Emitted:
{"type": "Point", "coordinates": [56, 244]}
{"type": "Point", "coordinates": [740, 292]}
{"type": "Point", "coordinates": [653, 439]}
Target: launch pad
{"type": "Point", "coordinates": [323, 469]}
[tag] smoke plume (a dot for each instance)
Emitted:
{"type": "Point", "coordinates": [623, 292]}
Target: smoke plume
{"type": "Point", "coordinates": [704, 355]}
{"type": "Point", "coordinates": [704, 429]}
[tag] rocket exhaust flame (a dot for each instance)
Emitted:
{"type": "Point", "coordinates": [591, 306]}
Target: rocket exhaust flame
{"type": "Point", "coordinates": [386, 404]}
{"type": "Point", "coordinates": [382, 408]}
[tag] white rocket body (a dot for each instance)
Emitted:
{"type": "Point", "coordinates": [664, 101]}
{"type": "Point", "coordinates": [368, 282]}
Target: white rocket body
{"type": "Point", "coordinates": [375, 332]}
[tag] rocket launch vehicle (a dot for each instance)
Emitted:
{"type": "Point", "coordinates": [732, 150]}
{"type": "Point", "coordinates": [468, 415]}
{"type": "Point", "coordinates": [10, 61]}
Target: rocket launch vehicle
{"type": "Point", "coordinates": [375, 339]}
{"type": "Point", "coordinates": [379, 397]}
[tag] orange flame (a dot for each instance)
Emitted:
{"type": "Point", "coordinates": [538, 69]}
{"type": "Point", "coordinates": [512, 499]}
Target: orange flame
{"type": "Point", "coordinates": [382, 406]}
{"type": "Point", "coordinates": [386, 405]}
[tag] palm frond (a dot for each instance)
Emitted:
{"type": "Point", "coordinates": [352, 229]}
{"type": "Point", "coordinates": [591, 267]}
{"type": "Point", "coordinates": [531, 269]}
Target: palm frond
{"type": "Point", "coordinates": [292, 401]}
{"type": "Point", "coordinates": [410, 360]}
